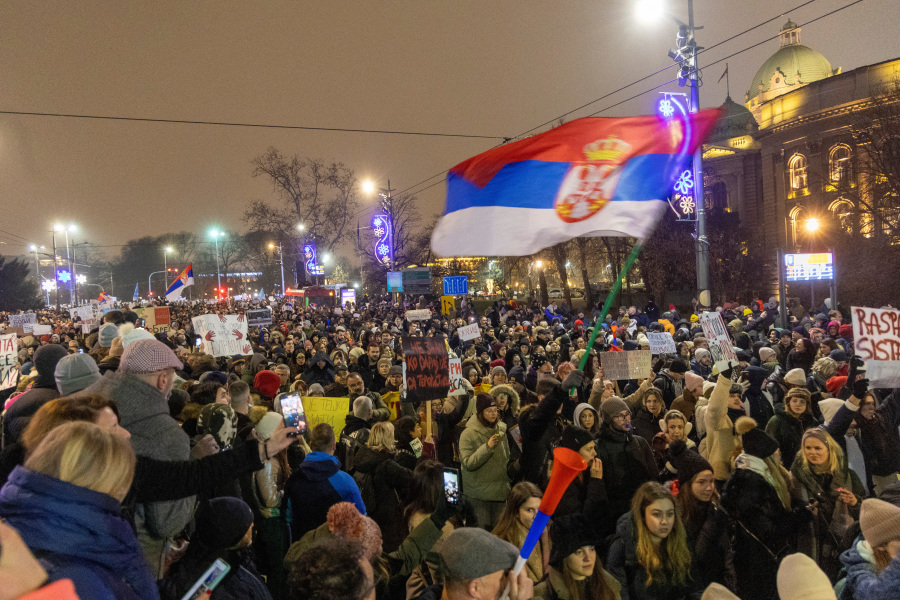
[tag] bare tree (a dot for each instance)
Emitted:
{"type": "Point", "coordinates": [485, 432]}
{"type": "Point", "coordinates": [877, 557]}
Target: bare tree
{"type": "Point", "coordinates": [321, 196]}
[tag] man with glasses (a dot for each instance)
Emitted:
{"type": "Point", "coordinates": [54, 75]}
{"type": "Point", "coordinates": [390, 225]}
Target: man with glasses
{"type": "Point", "coordinates": [628, 461]}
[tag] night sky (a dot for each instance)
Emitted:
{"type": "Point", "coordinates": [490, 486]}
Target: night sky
{"type": "Point", "coordinates": [494, 68]}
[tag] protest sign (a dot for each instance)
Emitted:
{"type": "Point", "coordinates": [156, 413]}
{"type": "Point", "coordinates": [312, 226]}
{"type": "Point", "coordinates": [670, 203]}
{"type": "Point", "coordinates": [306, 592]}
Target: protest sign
{"type": "Point", "coordinates": [223, 335]}
{"type": "Point", "coordinates": [456, 385]}
{"type": "Point", "coordinates": [418, 315]}
{"type": "Point", "coordinates": [483, 388]}
{"type": "Point", "coordinates": [333, 411]}
{"type": "Point", "coordinates": [427, 368]}
{"type": "Point", "coordinates": [392, 401]}
{"type": "Point", "coordinates": [87, 326]}
{"type": "Point", "coordinates": [719, 342]}
{"type": "Point", "coordinates": [661, 343]}
{"type": "Point", "coordinates": [468, 332]}
{"type": "Point", "coordinates": [9, 375]}
{"type": "Point", "coordinates": [876, 336]}
{"type": "Point", "coordinates": [22, 324]}
{"type": "Point", "coordinates": [41, 329]}
{"type": "Point", "coordinates": [259, 316]}
{"type": "Point", "coordinates": [156, 319]}
{"type": "Point", "coordinates": [634, 364]}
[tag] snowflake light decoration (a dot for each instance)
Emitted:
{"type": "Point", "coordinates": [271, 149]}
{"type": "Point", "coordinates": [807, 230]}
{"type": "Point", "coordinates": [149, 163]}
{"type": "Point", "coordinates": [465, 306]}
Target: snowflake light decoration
{"type": "Point", "coordinates": [48, 285]}
{"type": "Point", "coordinates": [685, 183]}
{"type": "Point", "coordinates": [379, 232]}
{"type": "Point", "coordinates": [666, 108]}
{"type": "Point", "coordinates": [81, 279]}
{"type": "Point", "coordinates": [383, 249]}
{"type": "Point", "coordinates": [64, 276]}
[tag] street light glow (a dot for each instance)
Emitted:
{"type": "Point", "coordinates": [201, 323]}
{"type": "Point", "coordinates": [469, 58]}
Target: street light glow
{"type": "Point", "coordinates": [648, 11]}
{"type": "Point", "coordinates": [812, 225]}
{"type": "Point", "coordinates": [271, 246]}
{"type": "Point", "coordinates": [368, 186]}
{"type": "Point", "coordinates": [300, 226]}
{"type": "Point", "coordinates": [167, 249]}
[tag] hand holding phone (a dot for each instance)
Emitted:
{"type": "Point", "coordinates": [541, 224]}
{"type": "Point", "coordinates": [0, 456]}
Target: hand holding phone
{"type": "Point", "coordinates": [452, 490]}
{"type": "Point", "coordinates": [292, 410]}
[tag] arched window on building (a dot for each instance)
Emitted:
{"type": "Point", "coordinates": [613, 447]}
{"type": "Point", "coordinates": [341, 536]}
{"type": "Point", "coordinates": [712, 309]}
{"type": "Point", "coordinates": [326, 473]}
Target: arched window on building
{"type": "Point", "coordinates": [798, 216]}
{"type": "Point", "coordinates": [844, 214]}
{"type": "Point", "coordinates": [797, 169]}
{"type": "Point", "coordinates": [839, 163]}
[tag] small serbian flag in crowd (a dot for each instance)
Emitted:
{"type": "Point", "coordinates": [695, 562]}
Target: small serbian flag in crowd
{"type": "Point", "coordinates": [589, 177]}
{"type": "Point", "coordinates": [103, 296]}
{"type": "Point", "coordinates": [185, 279]}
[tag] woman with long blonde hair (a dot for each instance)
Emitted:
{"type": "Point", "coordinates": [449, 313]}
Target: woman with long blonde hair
{"type": "Point", "coordinates": [649, 556]}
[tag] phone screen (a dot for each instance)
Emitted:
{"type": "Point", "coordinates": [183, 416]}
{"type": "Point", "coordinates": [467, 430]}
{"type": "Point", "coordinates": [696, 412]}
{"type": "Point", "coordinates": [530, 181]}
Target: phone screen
{"type": "Point", "coordinates": [209, 580]}
{"type": "Point", "coordinates": [199, 341]}
{"type": "Point", "coordinates": [292, 409]}
{"type": "Point", "coordinates": [451, 485]}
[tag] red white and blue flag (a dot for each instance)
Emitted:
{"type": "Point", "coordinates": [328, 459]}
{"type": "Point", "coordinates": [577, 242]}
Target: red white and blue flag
{"type": "Point", "coordinates": [185, 279]}
{"type": "Point", "coordinates": [104, 296]}
{"type": "Point", "coordinates": [589, 177]}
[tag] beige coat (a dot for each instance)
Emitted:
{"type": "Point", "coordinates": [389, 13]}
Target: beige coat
{"type": "Point", "coordinates": [721, 439]}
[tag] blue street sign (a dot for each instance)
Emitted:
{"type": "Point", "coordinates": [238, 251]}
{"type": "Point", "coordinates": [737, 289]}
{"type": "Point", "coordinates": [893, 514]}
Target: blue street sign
{"type": "Point", "coordinates": [456, 286]}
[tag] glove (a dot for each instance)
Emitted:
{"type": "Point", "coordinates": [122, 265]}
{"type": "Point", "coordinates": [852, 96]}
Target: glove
{"type": "Point", "coordinates": [859, 387]}
{"type": "Point", "coordinates": [573, 380]}
{"type": "Point", "coordinates": [727, 372]}
{"type": "Point", "coordinates": [444, 510]}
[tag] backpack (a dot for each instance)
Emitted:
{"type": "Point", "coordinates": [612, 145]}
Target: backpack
{"type": "Point", "coordinates": [348, 446]}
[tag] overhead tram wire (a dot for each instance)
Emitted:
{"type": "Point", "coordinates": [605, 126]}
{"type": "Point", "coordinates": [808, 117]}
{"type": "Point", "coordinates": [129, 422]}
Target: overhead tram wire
{"type": "Point", "coordinates": [717, 44]}
{"type": "Point", "coordinates": [255, 125]}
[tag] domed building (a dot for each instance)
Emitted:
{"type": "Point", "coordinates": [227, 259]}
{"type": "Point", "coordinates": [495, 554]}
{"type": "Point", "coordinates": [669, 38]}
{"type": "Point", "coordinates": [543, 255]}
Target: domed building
{"type": "Point", "coordinates": [793, 154]}
{"type": "Point", "coordinates": [793, 66]}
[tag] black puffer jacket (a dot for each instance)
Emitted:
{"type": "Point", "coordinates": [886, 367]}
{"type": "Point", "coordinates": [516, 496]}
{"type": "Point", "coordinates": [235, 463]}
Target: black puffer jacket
{"type": "Point", "coordinates": [709, 538]}
{"type": "Point", "coordinates": [389, 483]}
{"type": "Point", "coordinates": [628, 463]}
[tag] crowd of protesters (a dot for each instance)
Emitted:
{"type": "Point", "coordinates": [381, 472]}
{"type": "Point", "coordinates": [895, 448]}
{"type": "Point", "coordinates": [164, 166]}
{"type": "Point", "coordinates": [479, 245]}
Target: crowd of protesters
{"type": "Point", "coordinates": [132, 462]}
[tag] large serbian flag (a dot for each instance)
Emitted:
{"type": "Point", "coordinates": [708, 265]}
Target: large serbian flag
{"type": "Point", "coordinates": [589, 177]}
{"type": "Point", "coordinates": [185, 279]}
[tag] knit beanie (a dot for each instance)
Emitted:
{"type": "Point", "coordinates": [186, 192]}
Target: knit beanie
{"type": "Point", "coordinates": [107, 334]}
{"type": "Point", "coordinates": [800, 578]}
{"type": "Point", "coordinates": [75, 372]}
{"type": "Point", "coordinates": [766, 354]}
{"type": "Point", "coordinates": [879, 521]}
{"type": "Point", "coordinates": [611, 407]}
{"type": "Point", "coordinates": [116, 349]}
{"type": "Point", "coordinates": [567, 534]}
{"type": "Point", "coordinates": [756, 442]}
{"type": "Point", "coordinates": [687, 462]}
{"type": "Point", "coordinates": [574, 438]}
{"type": "Point", "coordinates": [694, 383]}
{"type": "Point", "coordinates": [846, 332]}
{"type": "Point", "coordinates": [267, 382]}
{"type": "Point", "coordinates": [834, 384]}
{"type": "Point", "coordinates": [484, 401]}
{"type": "Point", "coordinates": [135, 335]}
{"type": "Point", "coordinates": [795, 377]}
{"type": "Point", "coordinates": [223, 522]}
{"type": "Point", "coordinates": [45, 360]}
{"type": "Point", "coordinates": [678, 366]}
{"type": "Point", "coordinates": [717, 591]}
{"type": "Point", "coordinates": [700, 353]}
{"type": "Point", "coordinates": [345, 521]}
{"type": "Point", "coordinates": [268, 425]}
{"type": "Point", "coordinates": [538, 360]}
{"type": "Point", "coordinates": [498, 370]}
{"type": "Point", "coordinates": [829, 407]}
{"type": "Point", "coordinates": [219, 421]}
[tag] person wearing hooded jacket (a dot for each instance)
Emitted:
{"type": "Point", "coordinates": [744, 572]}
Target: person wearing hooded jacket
{"type": "Point", "coordinates": [19, 413]}
{"type": "Point", "coordinates": [645, 421]}
{"type": "Point", "coordinates": [540, 424]}
{"type": "Point", "coordinates": [320, 370]}
{"type": "Point", "coordinates": [484, 455]}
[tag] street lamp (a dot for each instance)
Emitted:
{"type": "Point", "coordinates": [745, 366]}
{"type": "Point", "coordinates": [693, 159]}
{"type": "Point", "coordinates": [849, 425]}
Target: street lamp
{"type": "Point", "coordinates": [67, 229]}
{"type": "Point", "coordinates": [685, 55]}
{"type": "Point", "coordinates": [37, 268]}
{"type": "Point", "coordinates": [216, 234]}
{"type": "Point", "coordinates": [166, 251]}
{"type": "Point", "coordinates": [281, 261]}
{"type": "Point", "coordinates": [301, 227]}
{"type": "Point", "coordinates": [812, 225]}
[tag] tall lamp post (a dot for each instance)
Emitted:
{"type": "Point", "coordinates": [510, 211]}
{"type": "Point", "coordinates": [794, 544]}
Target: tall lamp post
{"type": "Point", "coordinates": [216, 234]}
{"type": "Point", "coordinates": [55, 268]}
{"type": "Point", "coordinates": [166, 251]}
{"type": "Point", "coordinates": [37, 265]}
{"type": "Point", "coordinates": [689, 74]}
{"type": "Point", "coordinates": [281, 262]}
{"type": "Point", "coordinates": [66, 229]}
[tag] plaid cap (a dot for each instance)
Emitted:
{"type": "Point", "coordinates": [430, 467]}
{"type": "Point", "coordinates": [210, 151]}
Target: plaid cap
{"type": "Point", "coordinates": [148, 356]}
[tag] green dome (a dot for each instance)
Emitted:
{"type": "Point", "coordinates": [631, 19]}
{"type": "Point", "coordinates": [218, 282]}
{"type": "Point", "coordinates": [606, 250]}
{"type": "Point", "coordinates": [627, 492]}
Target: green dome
{"type": "Point", "coordinates": [736, 120]}
{"type": "Point", "coordinates": [789, 61]}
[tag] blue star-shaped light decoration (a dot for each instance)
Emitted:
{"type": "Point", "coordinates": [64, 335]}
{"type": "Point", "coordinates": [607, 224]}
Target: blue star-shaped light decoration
{"type": "Point", "coordinates": [65, 276]}
{"type": "Point", "coordinates": [685, 183]}
{"type": "Point", "coordinates": [666, 108]}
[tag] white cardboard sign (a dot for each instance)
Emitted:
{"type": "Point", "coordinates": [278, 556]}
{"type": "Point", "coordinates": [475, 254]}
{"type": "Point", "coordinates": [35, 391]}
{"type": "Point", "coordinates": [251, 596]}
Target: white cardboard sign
{"type": "Point", "coordinates": [719, 341]}
{"type": "Point", "coordinates": [456, 385]}
{"type": "Point", "coordinates": [469, 332]}
{"type": "Point", "coordinates": [418, 315]}
{"type": "Point", "coordinates": [876, 337]}
{"type": "Point", "coordinates": [223, 335]}
{"type": "Point", "coordinates": [661, 343]}
{"type": "Point", "coordinates": [9, 347]}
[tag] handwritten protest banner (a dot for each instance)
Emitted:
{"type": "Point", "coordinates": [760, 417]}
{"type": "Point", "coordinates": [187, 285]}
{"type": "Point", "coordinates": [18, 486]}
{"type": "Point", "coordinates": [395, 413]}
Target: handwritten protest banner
{"type": "Point", "coordinates": [260, 316]}
{"type": "Point", "coordinates": [22, 324]}
{"type": "Point", "coordinates": [9, 375]}
{"type": "Point", "coordinates": [661, 343]}
{"type": "Point", "coordinates": [333, 411]}
{"type": "Point", "coordinates": [469, 332]}
{"type": "Point", "coordinates": [223, 335]}
{"type": "Point", "coordinates": [418, 315]}
{"type": "Point", "coordinates": [719, 341]}
{"type": "Point", "coordinates": [87, 326]}
{"type": "Point", "coordinates": [456, 385]}
{"type": "Point", "coordinates": [41, 329]}
{"type": "Point", "coordinates": [876, 337]}
{"type": "Point", "coordinates": [427, 368]}
{"type": "Point", "coordinates": [634, 364]}
{"type": "Point", "coordinates": [157, 319]}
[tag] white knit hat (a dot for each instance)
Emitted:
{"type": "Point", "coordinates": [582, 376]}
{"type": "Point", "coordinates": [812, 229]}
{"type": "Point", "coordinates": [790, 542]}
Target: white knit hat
{"type": "Point", "coordinates": [717, 591]}
{"type": "Point", "coordinates": [800, 578]}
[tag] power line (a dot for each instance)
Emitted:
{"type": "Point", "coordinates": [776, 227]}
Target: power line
{"type": "Point", "coordinates": [257, 125]}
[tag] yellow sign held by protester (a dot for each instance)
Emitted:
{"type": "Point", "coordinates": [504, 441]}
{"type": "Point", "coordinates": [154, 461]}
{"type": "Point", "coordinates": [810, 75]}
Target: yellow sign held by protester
{"type": "Point", "coordinates": [392, 400]}
{"type": "Point", "coordinates": [333, 411]}
{"type": "Point", "coordinates": [448, 305]}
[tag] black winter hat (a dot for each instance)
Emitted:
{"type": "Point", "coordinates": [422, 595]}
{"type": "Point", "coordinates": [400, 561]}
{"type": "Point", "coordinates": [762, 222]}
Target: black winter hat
{"type": "Point", "coordinates": [568, 534]}
{"type": "Point", "coordinates": [574, 438]}
{"type": "Point", "coordinates": [45, 360]}
{"type": "Point", "coordinates": [756, 442]}
{"type": "Point", "coordinates": [484, 401]}
{"type": "Point", "coordinates": [538, 360]}
{"type": "Point", "coordinates": [517, 374]}
{"type": "Point", "coordinates": [678, 366]}
{"type": "Point", "coordinates": [687, 462]}
{"type": "Point", "coordinates": [223, 522]}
